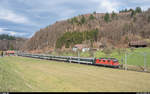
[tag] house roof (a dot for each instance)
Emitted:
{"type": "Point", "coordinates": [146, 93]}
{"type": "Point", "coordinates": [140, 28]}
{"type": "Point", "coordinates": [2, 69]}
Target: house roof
{"type": "Point", "coordinates": [80, 46]}
{"type": "Point", "coordinates": [140, 42]}
{"type": "Point", "coordinates": [10, 52]}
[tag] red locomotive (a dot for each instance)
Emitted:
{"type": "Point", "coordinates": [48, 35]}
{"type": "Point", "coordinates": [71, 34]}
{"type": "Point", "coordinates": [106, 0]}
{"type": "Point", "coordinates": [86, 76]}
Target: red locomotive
{"type": "Point", "coordinates": [107, 62]}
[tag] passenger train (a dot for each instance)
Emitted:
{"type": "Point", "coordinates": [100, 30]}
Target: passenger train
{"type": "Point", "coordinates": [111, 62]}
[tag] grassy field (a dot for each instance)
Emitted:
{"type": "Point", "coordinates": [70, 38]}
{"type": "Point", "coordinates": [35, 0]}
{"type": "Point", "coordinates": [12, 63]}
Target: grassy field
{"type": "Point", "coordinates": [27, 74]}
{"type": "Point", "coordinates": [135, 56]}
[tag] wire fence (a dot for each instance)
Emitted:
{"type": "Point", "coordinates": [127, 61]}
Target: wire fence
{"type": "Point", "coordinates": [137, 61]}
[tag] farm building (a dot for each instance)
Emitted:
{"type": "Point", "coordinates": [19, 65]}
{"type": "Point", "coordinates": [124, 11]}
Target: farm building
{"type": "Point", "coordinates": [137, 44]}
{"type": "Point", "coordinates": [10, 52]}
{"type": "Point", "coordinates": [82, 47]}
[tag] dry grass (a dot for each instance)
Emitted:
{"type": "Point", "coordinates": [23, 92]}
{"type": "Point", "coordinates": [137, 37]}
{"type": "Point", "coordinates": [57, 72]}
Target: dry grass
{"type": "Point", "coordinates": [43, 75]}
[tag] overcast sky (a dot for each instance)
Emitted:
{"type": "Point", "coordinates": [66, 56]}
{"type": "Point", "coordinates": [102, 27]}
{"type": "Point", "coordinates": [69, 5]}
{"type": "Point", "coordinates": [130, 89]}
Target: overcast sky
{"type": "Point", "coordinates": [25, 17]}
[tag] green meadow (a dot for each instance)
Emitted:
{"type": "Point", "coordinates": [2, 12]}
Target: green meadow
{"type": "Point", "coordinates": [19, 74]}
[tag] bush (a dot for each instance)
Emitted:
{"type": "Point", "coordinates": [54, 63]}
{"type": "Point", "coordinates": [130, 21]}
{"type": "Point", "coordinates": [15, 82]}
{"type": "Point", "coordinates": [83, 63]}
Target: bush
{"type": "Point", "coordinates": [11, 47]}
{"type": "Point", "coordinates": [83, 20]}
{"type": "Point", "coordinates": [133, 13]}
{"type": "Point", "coordinates": [91, 17]}
{"type": "Point", "coordinates": [84, 54]}
{"type": "Point", "coordinates": [107, 51]}
{"type": "Point", "coordinates": [94, 12]}
{"type": "Point", "coordinates": [138, 10]}
{"type": "Point", "coordinates": [130, 10]}
{"type": "Point", "coordinates": [99, 54]}
{"type": "Point", "coordinates": [113, 15]}
{"type": "Point", "coordinates": [73, 20]}
{"type": "Point", "coordinates": [106, 17]}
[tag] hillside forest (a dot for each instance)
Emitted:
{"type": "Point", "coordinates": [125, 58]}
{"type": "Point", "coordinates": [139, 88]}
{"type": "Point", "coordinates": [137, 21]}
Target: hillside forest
{"type": "Point", "coordinates": [112, 29]}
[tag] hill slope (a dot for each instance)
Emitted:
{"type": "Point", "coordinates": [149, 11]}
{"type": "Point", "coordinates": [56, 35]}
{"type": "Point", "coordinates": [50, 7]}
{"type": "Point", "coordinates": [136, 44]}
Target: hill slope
{"type": "Point", "coordinates": [10, 42]}
{"type": "Point", "coordinates": [113, 29]}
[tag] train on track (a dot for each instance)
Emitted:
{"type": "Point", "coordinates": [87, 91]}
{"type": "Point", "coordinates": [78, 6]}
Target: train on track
{"type": "Point", "coordinates": [110, 62]}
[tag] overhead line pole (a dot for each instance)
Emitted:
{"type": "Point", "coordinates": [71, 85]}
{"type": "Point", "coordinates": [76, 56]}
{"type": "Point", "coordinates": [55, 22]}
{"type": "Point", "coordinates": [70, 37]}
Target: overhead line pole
{"type": "Point", "coordinates": [145, 62]}
{"type": "Point", "coordinates": [78, 57]}
{"type": "Point", "coordinates": [125, 61]}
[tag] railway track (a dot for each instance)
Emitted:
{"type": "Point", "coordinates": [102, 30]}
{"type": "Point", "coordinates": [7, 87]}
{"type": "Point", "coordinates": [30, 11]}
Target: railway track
{"type": "Point", "coordinates": [69, 59]}
{"type": "Point", "coordinates": [59, 58]}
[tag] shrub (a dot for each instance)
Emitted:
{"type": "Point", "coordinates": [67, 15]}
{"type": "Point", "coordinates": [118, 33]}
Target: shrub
{"type": "Point", "coordinates": [83, 20]}
{"type": "Point", "coordinates": [138, 10]}
{"type": "Point", "coordinates": [106, 17]}
{"type": "Point", "coordinates": [73, 20]}
{"type": "Point", "coordinates": [113, 15]}
{"type": "Point", "coordinates": [91, 17]}
{"type": "Point", "coordinates": [133, 13]}
{"type": "Point", "coordinates": [107, 51]}
{"type": "Point", "coordinates": [94, 12]}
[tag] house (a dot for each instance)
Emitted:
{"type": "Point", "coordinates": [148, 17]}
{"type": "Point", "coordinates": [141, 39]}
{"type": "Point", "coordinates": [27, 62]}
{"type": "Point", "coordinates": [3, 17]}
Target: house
{"type": "Point", "coordinates": [139, 43]}
{"type": "Point", "coordinates": [82, 47]}
{"type": "Point", "coordinates": [10, 52]}
{"type": "Point", "coordinates": [85, 49]}
{"type": "Point", "coordinates": [74, 49]}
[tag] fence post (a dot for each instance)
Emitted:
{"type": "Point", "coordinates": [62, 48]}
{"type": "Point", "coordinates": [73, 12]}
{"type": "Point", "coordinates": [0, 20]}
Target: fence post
{"type": "Point", "coordinates": [78, 57]}
{"type": "Point", "coordinates": [125, 61]}
{"type": "Point", "coordinates": [145, 61]}
{"type": "Point", "coordinates": [122, 62]}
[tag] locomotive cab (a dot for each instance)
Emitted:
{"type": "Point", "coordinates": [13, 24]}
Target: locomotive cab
{"type": "Point", "coordinates": [112, 62]}
{"type": "Point", "coordinates": [116, 63]}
